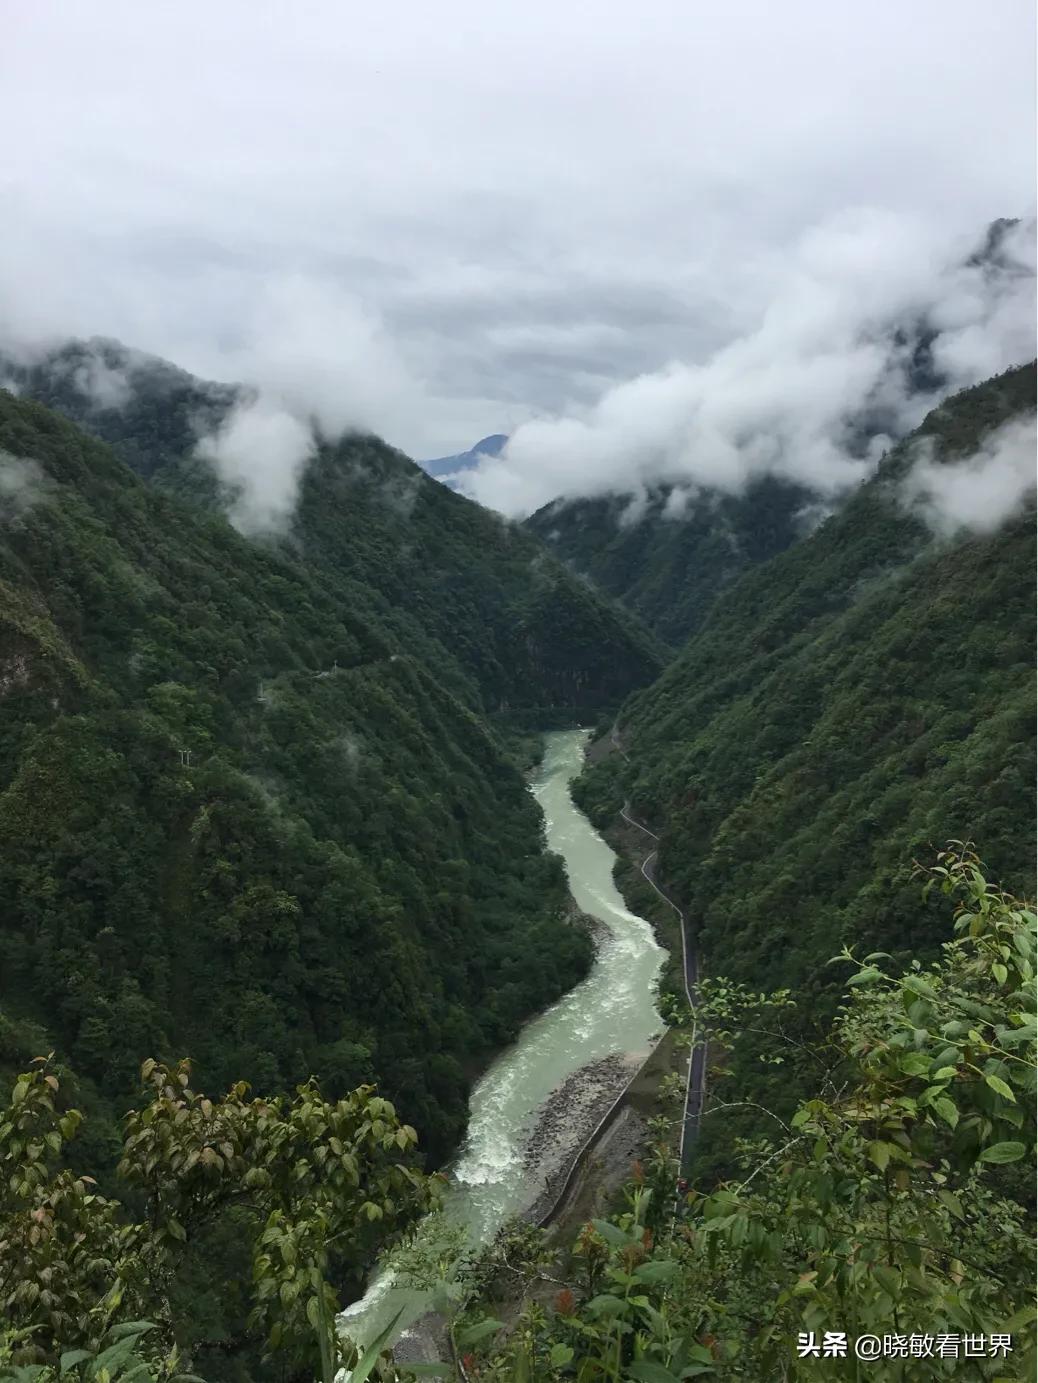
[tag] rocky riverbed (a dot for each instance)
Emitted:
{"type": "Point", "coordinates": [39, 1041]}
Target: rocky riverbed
{"type": "Point", "coordinates": [567, 1119]}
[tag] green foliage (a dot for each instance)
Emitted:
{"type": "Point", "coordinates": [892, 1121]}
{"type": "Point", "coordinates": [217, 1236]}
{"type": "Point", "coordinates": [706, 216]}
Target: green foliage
{"type": "Point", "coordinates": [347, 877]}
{"type": "Point", "coordinates": [891, 1204]}
{"type": "Point", "coordinates": [670, 568]}
{"type": "Point", "coordinates": [250, 806]}
{"type": "Point", "coordinates": [845, 707]}
{"type": "Point", "coordinates": [314, 1188]}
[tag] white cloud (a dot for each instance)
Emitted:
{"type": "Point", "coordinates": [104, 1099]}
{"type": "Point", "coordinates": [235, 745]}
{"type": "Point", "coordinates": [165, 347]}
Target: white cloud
{"type": "Point", "coordinates": [797, 395]}
{"type": "Point", "coordinates": [22, 484]}
{"type": "Point", "coordinates": [260, 451]}
{"type": "Point", "coordinates": [106, 386]}
{"type": "Point", "coordinates": [983, 491]}
{"type": "Point", "coordinates": [488, 213]}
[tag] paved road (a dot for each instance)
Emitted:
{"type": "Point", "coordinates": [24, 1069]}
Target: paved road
{"type": "Point", "coordinates": [695, 1085]}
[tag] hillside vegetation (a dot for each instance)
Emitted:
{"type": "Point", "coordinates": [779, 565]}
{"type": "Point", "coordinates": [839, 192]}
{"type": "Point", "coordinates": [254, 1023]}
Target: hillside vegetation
{"type": "Point", "coordinates": [238, 819]}
{"type": "Point", "coordinates": [670, 564]}
{"type": "Point", "coordinates": [847, 707]}
{"type": "Point", "coordinates": [893, 1209]}
{"type": "Point", "coordinates": [479, 601]}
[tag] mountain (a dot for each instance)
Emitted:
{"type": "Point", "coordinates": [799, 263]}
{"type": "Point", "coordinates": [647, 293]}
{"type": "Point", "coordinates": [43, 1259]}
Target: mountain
{"type": "Point", "coordinates": [465, 460]}
{"type": "Point", "coordinates": [848, 706]}
{"type": "Point", "coordinates": [250, 805]}
{"type": "Point", "coordinates": [151, 411]}
{"type": "Point", "coordinates": [669, 565]}
{"type": "Point", "coordinates": [500, 622]}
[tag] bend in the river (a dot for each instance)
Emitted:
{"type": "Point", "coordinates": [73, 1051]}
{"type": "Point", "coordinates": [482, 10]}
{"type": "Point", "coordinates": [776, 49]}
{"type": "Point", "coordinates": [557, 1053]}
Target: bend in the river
{"type": "Point", "coordinates": [612, 1011]}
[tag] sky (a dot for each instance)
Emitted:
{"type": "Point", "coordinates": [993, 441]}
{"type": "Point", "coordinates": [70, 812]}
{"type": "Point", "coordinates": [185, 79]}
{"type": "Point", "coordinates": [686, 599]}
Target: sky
{"type": "Point", "coordinates": [442, 221]}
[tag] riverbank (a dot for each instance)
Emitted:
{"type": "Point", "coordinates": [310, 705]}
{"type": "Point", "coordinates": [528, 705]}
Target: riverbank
{"type": "Point", "coordinates": [566, 1121]}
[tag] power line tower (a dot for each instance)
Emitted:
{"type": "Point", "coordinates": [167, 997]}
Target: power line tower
{"type": "Point", "coordinates": [185, 758]}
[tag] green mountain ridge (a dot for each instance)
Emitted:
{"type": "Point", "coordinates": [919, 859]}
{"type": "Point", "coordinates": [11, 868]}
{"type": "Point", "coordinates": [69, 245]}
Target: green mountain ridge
{"type": "Point", "coordinates": [667, 566]}
{"type": "Point", "coordinates": [482, 602]}
{"type": "Point", "coordinates": [346, 876]}
{"type": "Point", "coordinates": [847, 706]}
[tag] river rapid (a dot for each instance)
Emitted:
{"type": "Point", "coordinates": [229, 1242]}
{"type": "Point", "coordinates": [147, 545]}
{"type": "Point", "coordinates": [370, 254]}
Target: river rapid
{"type": "Point", "coordinates": [612, 1012]}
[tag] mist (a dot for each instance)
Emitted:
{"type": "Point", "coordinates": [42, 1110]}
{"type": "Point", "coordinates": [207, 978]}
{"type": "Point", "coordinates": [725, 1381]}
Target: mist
{"type": "Point", "coordinates": [821, 386]}
{"type": "Point", "coordinates": [977, 494]}
{"type": "Point", "coordinates": [22, 484]}
{"type": "Point", "coordinates": [260, 452]}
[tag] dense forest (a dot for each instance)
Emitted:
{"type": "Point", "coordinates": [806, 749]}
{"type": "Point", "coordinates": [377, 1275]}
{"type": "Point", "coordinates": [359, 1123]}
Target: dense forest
{"type": "Point", "coordinates": [258, 806]}
{"type": "Point", "coordinates": [846, 707]}
{"type": "Point", "coordinates": [667, 560]}
{"type": "Point", "coordinates": [479, 601]}
{"type": "Point", "coordinates": [893, 1211]}
{"type": "Point", "coordinates": [246, 818]}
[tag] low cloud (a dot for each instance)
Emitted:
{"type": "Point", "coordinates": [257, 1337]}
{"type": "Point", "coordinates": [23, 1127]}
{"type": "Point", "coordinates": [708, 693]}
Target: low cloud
{"type": "Point", "coordinates": [978, 494]}
{"type": "Point", "coordinates": [105, 385]}
{"type": "Point", "coordinates": [22, 484]}
{"type": "Point", "coordinates": [260, 452]}
{"type": "Point", "coordinates": [872, 318]}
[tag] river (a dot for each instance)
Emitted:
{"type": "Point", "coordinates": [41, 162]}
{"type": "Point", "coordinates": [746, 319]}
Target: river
{"type": "Point", "coordinates": [612, 1011]}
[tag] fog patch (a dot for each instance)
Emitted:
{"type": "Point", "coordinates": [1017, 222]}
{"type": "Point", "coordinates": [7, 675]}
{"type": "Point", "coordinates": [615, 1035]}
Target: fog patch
{"type": "Point", "coordinates": [350, 749]}
{"type": "Point", "coordinates": [978, 494]}
{"type": "Point", "coordinates": [260, 452]}
{"type": "Point", "coordinates": [23, 483]}
{"type": "Point", "coordinates": [872, 319]}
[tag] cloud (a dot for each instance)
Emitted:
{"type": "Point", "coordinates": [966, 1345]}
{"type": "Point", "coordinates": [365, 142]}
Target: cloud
{"type": "Point", "coordinates": [873, 317]}
{"type": "Point", "coordinates": [260, 452]}
{"type": "Point", "coordinates": [22, 484]}
{"type": "Point", "coordinates": [105, 385]}
{"type": "Point", "coordinates": [982, 492]}
{"type": "Point", "coordinates": [470, 216]}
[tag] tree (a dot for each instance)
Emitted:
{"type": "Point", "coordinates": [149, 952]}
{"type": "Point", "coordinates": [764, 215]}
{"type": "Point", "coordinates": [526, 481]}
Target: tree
{"type": "Point", "coordinates": [315, 1186]}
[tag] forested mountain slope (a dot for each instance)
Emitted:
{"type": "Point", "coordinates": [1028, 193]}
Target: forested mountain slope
{"type": "Point", "coordinates": [150, 411]}
{"type": "Point", "coordinates": [668, 564]}
{"type": "Point", "coordinates": [345, 877]}
{"type": "Point", "coordinates": [849, 705]}
{"type": "Point", "coordinates": [482, 602]}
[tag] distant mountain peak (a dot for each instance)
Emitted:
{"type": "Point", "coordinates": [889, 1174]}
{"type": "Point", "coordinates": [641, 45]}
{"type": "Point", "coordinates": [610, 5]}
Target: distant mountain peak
{"type": "Point", "coordinates": [441, 466]}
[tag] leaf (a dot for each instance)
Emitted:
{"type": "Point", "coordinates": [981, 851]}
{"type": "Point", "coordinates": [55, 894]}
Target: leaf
{"type": "Point", "coordinates": [889, 1279]}
{"type": "Point", "coordinates": [1000, 1088]}
{"type": "Point", "coordinates": [866, 976]}
{"type": "Point", "coordinates": [605, 1305]}
{"type": "Point", "coordinates": [119, 1332]}
{"type": "Point", "coordinates": [369, 1358]}
{"type": "Point", "coordinates": [611, 1233]}
{"type": "Point", "coordinates": [915, 1063]}
{"type": "Point", "coordinates": [560, 1355]}
{"type": "Point", "coordinates": [918, 986]}
{"type": "Point", "coordinates": [114, 1354]}
{"type": "Point", "coordinates": [879, 1153]}
{"type": "Point", "coordinates": [478, 1332]}
{"type": "Point", "coordinates": [949, 1199]}
{"type": "Point", "coordinates": [947, 1109]}
{"type": "Point", "coordinates": [72, 1357]}
{"type": "Point", "coordinates": [647, 1372]}
{"type": "Point", "coordinates": [1003, 1152]}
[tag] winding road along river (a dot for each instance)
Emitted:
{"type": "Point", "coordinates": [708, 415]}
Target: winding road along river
{"type": "Point", "coordinates": [612, 1011]}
